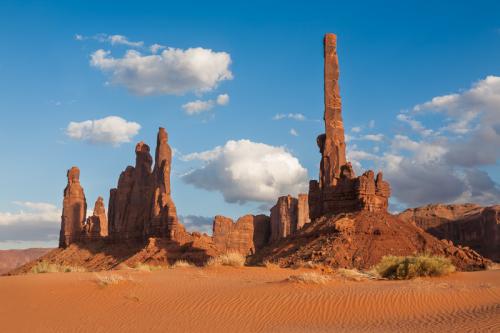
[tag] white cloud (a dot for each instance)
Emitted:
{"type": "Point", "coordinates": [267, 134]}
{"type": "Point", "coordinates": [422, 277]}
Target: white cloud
{"type": "Point", "coordinates": [223, 99]}
{"type": "Point", "coordinates": [248, 171]}
{"type": "Point", "coordinates": [122, 40]}
{"type": "Point", "coordinates": [156, 47]}
{"type": "Point", "coordinates": [112, 39]}
{"type": "Point", "coordinates": [173, 71]}
{"type": "Point", "coordinates": [414, 124]}
{"type": "Point", "coordinates": [356, 129]}
{"type": "Point", "coordinates": [294, 116]}
{"type": "Point", "coordinates": [113, 130]}
{"type": "Point", "coordinates": [445, 166]}
{"type": "Point", "coordinates": [31, 212]}
{"type": "Point", "coordinates": [197, 223]}
{"type": "Point", "coordinates": [198, 106]}
{"type": "Point", "coordinates": [293, 132]}
{"type": "Point", "coordinates": [373, 137]}
{"type": "Point", "coordinates": [33, 222]}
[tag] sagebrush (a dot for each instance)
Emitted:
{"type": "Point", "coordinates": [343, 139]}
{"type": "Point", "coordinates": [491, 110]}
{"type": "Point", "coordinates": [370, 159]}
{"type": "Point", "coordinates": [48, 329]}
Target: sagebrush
{"type": "Point", "coordinates": [409, 267]}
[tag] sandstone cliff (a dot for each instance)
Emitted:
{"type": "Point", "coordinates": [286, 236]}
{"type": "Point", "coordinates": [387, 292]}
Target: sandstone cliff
{"type": "Point", "coordinates": [96, 226]}
{"type": "Point", "coordinates": [246, 236]}
{"type": "Point", "coordinates": [288, 215]}
{"type": "Point", "coordinates": [465, 224]}
{"type": "Point", "coordinates": [141, 206]}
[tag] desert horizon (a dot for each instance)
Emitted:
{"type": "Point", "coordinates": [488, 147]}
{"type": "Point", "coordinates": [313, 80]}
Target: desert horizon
{"type": "Point", "coordinates": [212, 167]}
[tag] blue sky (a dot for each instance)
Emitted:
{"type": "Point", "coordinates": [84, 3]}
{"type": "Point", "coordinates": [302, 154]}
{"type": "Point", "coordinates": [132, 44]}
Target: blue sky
{"type": "Point", "coordinates": [395, 57]}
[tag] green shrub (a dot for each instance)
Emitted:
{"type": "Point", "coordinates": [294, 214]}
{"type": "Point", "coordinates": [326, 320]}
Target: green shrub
{"type": "Point", "coordinates": [409, 267]}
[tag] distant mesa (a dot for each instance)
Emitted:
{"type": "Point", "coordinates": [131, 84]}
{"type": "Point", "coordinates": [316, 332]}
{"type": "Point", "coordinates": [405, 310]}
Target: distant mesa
{"type": "Point", "coordinates": [342, 221]}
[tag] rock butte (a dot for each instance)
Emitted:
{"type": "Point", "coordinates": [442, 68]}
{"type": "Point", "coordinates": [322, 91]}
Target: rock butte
{"type": "Point", "coordinates": [465, 224]}
{"type": "Point", "coordinates": [342, 221]}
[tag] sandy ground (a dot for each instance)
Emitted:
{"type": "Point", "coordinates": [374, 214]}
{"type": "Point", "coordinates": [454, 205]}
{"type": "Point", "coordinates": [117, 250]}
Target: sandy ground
{"type": "Point", "coordinates": [227, 299]}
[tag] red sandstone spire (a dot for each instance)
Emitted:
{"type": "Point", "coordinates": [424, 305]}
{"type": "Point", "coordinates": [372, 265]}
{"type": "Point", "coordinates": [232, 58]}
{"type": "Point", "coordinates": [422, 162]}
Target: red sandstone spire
{"type": "Point", "coordinates": [332, 143]}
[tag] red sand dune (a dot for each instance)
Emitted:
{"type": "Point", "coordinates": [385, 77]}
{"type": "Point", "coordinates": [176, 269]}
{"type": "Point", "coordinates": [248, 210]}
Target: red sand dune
{"type": "Point", "coordinates": [247, 299]}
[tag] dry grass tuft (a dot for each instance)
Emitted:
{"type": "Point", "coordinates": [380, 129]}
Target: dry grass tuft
{"type": "Point", "coordinates": [409, 267]}
{"type": "Point", "coordinates": [270, 264]}
{"type": "Point", "coordinates": [313, 265]}
{"type": "Point", "coordinates": [355, 275]}
{"type": "Point", "coordinates": [182, 264]}
{"type": "Point", "coordinates": [105, 280]}
{"type": "Point", "coordinates": [233, 259]}
{"type": "Point", "coordinates": [147, 267]}
{"type": "Point", "coordinates": [46, 267]}
{"type": "Point", "coordinates": [309, 278]}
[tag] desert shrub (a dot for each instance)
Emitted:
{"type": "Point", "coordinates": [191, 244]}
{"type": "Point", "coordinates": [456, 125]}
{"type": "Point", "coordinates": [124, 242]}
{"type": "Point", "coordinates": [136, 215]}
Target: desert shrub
{"type": "Point", "coordinates": [46, 267]}
{"type": "Point", "coordinates": [105, 280]}
{"type": "Point", "coordinates": [146, 267]}
{"type": "Point", "coordinates": [401, 268]}
{"type": "Point", "coordinates": [356, 275]}
{"type": "Point", "coordinates": [309, 278]}
{"type": "Point", "coordinates": [182, 264]}
{"type": "Point", "coordinates": [233, 259]}
{"type": "Point", "coordinates": [270, 264]}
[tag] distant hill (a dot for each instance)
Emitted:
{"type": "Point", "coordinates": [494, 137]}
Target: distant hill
{"type": "Point", "coordinates": [10, 259]}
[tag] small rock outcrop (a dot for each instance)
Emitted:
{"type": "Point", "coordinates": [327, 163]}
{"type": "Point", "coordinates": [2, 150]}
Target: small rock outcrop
{"type": "Point", "coordinates": [288, 215]}
{"type": "Point", "coordinates": [141, 206]}
{"type": "Point", "coordinates": [246, 236]}
{"type": "Point", "coordinates": [74, 210]}
{"type": "Point", "coordinates": [96, 226]}
{"type": "Point", "coordinates": [338, 189]}
{"type": "Point", "coordinates": [468, 225]}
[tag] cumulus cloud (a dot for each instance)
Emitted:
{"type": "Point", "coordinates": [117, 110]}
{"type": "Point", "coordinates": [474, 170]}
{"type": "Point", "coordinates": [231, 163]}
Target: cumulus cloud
{"type": "Point", "coordinates": [293, 132]}
{"type": "Point", "coordinates": [173, 71]}
{"type": "Point", "coordinates": [199, 106]}
{"type": "Point", "coordinates": [294, 116]}
{"type": "Point", "coordinates": [34, 221]}
{"type": "Point", "coordinates": [445, 165]}
{"type": "Point", "coordinates": [248, 171]}
{"type": "Point", "coordinates": [356, 129]}
{"type": "Point", "coordinates": [112, 130]}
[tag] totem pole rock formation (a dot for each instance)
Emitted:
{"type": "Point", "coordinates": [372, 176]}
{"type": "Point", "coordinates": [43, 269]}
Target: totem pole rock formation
{"type": "Point", "coordinates": [96, 226]}
{"type": "Point", "coordinates": [338, 189]}
{"type": "Point", "coordinates": [141, 205]}
{"type": "Point", "coordinates": [74, 209]}
{"type": "Point", "coordinates": [249, 234]}
{"type": "Point", "coordinates": [288, 215]}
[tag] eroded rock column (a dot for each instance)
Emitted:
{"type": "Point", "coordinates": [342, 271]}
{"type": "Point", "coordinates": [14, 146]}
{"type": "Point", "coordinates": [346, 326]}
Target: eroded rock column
{"type": "Point", "coordinates": [74, 210]}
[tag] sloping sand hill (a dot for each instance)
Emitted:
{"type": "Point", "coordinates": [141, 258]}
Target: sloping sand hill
{"type": "Point", "coordinates": [250, 299]}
